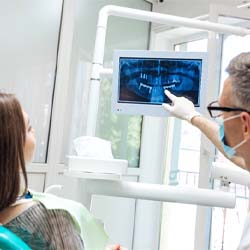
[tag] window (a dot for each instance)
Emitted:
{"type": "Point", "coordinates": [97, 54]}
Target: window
{"type": "Point", "coordinates": [188, 136]}
{"type": "Point", "coordinates": [184, 171]}
{"type": "Point", "coordinates": [123, 131]}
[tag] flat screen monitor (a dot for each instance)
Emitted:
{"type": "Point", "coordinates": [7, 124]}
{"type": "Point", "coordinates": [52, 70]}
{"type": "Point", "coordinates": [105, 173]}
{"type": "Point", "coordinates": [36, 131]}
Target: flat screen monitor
{"type": "Point", "coordinates": [140, 78]}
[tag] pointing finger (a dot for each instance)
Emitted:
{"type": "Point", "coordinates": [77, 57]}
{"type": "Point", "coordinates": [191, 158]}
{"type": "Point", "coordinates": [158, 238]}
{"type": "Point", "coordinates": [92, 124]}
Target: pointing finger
{"type": "Point", "coordinates": [170, 96]}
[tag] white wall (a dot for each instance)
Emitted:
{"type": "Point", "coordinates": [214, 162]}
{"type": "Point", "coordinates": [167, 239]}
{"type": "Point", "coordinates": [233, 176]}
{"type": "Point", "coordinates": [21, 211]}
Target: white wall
{"type": "Point", "coordinates": [28, 45]}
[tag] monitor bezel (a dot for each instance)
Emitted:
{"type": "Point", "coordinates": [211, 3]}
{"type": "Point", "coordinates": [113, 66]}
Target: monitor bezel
{"type": "Point", "coordinates": [153, 109]}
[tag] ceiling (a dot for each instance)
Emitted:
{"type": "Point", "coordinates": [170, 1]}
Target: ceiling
{"type": "Point", "coordinates": [192, 8]}
{"type": "Point", "coordinates": [177, 2]}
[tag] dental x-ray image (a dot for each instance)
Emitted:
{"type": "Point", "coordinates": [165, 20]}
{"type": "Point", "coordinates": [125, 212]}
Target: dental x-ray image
{"type": "Point", "coordinates": [143, 80]}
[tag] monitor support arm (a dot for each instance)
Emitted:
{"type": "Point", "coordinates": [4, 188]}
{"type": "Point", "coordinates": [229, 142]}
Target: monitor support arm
{"type": "Point", "coordinates": [143, 190]}
{"type": "Point", "coordinates": [111, 10]}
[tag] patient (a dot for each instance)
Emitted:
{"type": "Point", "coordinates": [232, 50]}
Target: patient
{"type": "Point", "coordinates": [39, 227]}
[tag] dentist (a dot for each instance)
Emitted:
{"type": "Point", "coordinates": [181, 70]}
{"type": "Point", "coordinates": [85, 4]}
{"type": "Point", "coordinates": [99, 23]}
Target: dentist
{"type": "Point", "coordinates": [232, 135]}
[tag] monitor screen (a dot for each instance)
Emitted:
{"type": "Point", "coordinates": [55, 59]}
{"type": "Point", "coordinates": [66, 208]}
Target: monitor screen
{"type": "Point", "coordinates": [140, 78]}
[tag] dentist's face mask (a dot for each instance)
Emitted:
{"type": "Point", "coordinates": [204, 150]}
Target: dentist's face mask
{"type": "Point", "coordinates": [229, 151]}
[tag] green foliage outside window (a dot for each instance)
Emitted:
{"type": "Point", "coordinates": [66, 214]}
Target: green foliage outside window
{"type": "Point", "coordinates": [124, 131]}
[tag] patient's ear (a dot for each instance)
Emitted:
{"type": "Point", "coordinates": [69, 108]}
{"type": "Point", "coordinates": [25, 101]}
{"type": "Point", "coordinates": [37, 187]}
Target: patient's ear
{"type": "Point", "coordinates": [245, 119]}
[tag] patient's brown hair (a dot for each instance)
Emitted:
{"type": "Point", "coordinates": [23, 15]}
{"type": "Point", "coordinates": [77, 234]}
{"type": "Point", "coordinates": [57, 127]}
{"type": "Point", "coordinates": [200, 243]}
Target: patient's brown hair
{"type": "Point", "coordinates": [12, 140]}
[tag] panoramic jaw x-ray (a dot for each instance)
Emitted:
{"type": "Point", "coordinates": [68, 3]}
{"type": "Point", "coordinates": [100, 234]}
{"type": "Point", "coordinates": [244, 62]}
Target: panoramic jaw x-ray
{"type": "Point", "coordinates": [141, 79]}
{"type": "Point", "coordinates": [144, 80]}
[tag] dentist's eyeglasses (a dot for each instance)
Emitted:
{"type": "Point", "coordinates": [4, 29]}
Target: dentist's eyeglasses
{"type": "Point", "coordinates": [216, 111]}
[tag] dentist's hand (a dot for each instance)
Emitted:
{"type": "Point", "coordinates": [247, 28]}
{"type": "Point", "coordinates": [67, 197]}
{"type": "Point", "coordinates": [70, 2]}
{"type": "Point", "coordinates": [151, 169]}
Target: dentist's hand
{"type": "Point", "coordinates": [181, 107]}
{"type": "Point", "coordinates": [116, 247]}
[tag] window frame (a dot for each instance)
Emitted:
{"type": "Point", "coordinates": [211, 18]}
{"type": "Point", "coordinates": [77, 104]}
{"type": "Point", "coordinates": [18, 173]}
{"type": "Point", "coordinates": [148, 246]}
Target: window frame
{"type": "Point", "coordinates": [53, 166]}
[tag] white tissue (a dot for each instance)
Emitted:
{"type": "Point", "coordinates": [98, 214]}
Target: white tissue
{"type": "Point", "coordinates": [93, 147]}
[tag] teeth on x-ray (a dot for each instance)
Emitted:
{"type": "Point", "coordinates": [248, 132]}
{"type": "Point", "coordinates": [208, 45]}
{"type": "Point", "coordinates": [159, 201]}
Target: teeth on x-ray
{"type": "Point", "coordinates": [175, 81]}
{"type": "Point", "coordinates": [146, 87]}
{"type": "Point", "coordinates": [169, 86]}
{"type": "Point", "coordinates": [146, 79]}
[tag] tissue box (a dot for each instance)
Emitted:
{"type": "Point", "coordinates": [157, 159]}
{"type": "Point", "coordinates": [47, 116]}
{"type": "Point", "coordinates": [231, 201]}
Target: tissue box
{"type": "Point", "coordinates": [93, 147]}
{"type": "Point", "coordinates": [92, 165]}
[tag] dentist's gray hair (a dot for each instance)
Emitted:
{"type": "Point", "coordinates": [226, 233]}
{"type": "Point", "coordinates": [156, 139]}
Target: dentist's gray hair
{"type": "Point", "coordinates": [239, 72]}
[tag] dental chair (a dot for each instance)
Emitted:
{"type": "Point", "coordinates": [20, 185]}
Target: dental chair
{"type": "Point", "coordinates": [9, 241]}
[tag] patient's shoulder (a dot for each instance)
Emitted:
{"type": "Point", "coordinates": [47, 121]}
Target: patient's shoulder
{"type": "Point", "coordinates": [12, 212]}
{"type": "Point", "coordinates": [42, 226]}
